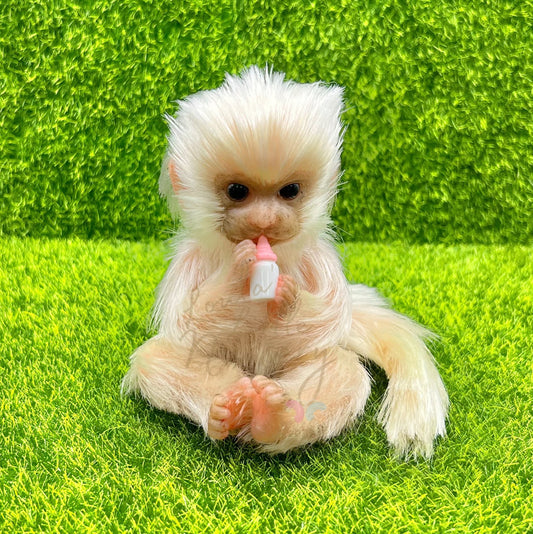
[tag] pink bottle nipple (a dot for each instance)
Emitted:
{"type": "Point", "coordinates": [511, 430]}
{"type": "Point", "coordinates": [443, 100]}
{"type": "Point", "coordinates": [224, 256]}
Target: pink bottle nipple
{"type": "Point", "coordinates": [263, 250]}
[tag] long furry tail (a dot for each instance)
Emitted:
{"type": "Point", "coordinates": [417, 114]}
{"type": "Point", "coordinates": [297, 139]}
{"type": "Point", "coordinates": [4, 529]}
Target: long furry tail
{"type": "Point", "coordinates": [415, 405]}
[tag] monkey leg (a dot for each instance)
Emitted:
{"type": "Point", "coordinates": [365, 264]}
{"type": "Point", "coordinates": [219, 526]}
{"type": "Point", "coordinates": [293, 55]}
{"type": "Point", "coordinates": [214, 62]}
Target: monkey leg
{"type": "Point", "coordinates": [311, 402]}
{"type": "Point", "coordinates": [414, 409]}
{"type": "Point", "coordinates": [174, 379]}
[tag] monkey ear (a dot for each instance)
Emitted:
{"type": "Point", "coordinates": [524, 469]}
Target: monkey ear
{"type": "Point", "coordinates": [173, 174]}
{"type": "Point", "coordinates": [169, 184]}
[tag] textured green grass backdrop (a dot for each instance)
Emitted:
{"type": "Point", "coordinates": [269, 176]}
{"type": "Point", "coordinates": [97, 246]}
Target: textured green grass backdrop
{"type": "Point", "coordinates": [438, 94]}
{"type": "Point", "coordinates": [76, 457]}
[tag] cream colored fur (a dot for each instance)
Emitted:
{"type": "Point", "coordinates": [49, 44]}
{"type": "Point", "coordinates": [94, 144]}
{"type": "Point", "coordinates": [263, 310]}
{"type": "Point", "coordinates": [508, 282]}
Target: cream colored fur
{"type": "Point", "coordinates": [210, 334]}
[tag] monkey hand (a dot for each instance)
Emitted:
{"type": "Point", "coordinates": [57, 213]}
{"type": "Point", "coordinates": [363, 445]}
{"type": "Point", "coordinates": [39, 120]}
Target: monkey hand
{"type": "Point", "coordinates": [242, 261]}
{"type": "Point", "coordinates": [286, 300]}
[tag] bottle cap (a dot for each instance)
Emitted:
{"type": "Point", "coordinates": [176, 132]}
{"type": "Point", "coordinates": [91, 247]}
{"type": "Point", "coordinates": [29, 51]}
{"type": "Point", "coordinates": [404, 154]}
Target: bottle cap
{"type": "Point", "coordinates": [263, 250]}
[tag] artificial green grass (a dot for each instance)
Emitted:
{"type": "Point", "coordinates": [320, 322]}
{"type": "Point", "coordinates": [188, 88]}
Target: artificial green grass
{"type": "Point", "coordinates": [76, 457]}
{"type": "Point", "coordinates": [439, 141]}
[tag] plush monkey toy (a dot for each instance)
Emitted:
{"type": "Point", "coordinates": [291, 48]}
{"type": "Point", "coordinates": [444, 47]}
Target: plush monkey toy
{"type": "Point", "coordinates": [259, 157]}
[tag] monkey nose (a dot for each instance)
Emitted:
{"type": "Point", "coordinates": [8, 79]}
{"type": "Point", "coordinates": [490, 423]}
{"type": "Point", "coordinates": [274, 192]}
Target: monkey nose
{"type": "Point", "coordinates": [256, 232]}
{"type": "Point", "coordinates": [261, 225]}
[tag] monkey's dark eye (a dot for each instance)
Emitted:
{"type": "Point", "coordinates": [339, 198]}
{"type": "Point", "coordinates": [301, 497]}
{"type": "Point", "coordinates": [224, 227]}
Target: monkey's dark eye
{"type": "Point", "coordinates": [289, 191]}
{"type": "Point", "coordinates": [237, 192]}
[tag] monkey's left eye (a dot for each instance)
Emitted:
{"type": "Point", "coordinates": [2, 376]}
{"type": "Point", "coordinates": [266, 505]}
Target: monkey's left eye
{"type": "Point", "coordinates": [289, 191]}
{"type": "Point", "coordinates": [237, 192]}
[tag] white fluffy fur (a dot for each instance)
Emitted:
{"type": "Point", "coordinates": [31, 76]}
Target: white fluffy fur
{"type": "Point", "coordinates": [259, 124]}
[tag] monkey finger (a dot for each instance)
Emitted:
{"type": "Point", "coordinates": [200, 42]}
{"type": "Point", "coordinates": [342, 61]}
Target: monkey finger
{"type": "Point", "coordinates": [287, 285]}
{"type": "Point", "coordinates": [243, 258]}
{"type": "Point", "coordinates": [244, 249]}
{"type": "Point", "coordinates": [219, 413]}
{"type": "Point", "coordinates": [217, 426]}
{"type": "Point", "coordinates": [286, 299]}
{"type": "Point", "coordinates": [218, 435]}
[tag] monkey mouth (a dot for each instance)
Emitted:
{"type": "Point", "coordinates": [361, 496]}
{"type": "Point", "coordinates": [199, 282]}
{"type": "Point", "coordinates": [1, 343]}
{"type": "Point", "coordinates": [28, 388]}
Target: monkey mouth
{"type": "Point", "coordinates": [255, 238]}
{"type": "Point", "coordinates": [271, 240]}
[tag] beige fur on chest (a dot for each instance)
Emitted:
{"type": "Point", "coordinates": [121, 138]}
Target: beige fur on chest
{"type": "Point", "coordinates": [249, 339]}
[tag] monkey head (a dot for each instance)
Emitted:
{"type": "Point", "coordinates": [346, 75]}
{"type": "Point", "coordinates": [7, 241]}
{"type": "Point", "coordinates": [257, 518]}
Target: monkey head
{"type": "Point", "coordinates": [258, 155]}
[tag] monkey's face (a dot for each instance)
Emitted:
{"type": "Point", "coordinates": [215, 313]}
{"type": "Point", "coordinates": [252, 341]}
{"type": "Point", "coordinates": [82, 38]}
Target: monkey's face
{"type": "Point", "coordinates": [252, 208]}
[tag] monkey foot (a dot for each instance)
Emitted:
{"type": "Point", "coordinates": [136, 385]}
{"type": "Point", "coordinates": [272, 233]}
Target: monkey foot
{"type": "Point", "coordinates": [231, 410]}
{"type": "Point", "coordinates": [270, 417]}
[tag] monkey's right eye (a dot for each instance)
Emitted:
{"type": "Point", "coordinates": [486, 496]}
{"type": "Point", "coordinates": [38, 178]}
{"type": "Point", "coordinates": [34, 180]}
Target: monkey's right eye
{"type": "Point", "coordinates": [237, 192]}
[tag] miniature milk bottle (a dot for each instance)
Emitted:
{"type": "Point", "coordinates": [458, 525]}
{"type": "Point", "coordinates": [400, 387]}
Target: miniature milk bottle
{"type": "Point", "coordinates": [264, 279]}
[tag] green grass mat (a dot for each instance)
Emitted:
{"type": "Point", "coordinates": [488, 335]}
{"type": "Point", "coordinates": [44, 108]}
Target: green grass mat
{"type": "Point", "coordinates": [439, 141]}
{"type": "Point", "coordinates": [76, 457]}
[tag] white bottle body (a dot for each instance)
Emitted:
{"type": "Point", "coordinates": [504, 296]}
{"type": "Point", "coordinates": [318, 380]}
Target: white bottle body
{"type": "Point", "coordinates": [264, 280]}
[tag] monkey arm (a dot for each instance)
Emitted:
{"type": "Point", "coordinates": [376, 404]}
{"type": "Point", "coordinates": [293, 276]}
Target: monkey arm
{"type": "Point", "coordinates": [318, 306]}
{"type": "Point", "coordinates": [215, 307]}
{"type": "Point", "coordinates": [200, 302]}
{"type": "Point", "coordinates": [319, 318]}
